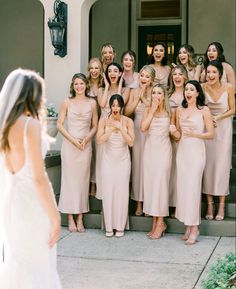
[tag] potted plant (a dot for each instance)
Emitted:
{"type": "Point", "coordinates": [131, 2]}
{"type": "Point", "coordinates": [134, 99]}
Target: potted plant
{"type": "Point", "coordinates": [51, 117]}
{"type": "Point", "coordinates": [222, 274]}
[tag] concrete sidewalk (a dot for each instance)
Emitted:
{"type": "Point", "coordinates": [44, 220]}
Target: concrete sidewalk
{"type": "Point", "coordinates": [93, 261]}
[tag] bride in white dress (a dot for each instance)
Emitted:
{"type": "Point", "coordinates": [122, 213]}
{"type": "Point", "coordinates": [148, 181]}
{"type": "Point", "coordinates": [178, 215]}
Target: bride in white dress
{"type": "Point", "coordinates": [30, 221]}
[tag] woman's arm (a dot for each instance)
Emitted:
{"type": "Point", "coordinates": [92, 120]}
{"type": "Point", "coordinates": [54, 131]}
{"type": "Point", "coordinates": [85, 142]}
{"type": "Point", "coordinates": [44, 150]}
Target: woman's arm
{"type": "Point", "coordinates": [230, 74]}
{"type": "Point", "coordinates": [176, 132]}
{"type": "Point", "coordinates": [60, 125]}
{"type": "Point", "coordinates": [133, 102]}
{"type": "Point", "coordinates": [41, 181]}
{"type": "Point", "coordinates": [148, 115]}
{"type": "Point", "coordinates": [198, 72]}
{"type": "Point", "coordinates": [125, 94]}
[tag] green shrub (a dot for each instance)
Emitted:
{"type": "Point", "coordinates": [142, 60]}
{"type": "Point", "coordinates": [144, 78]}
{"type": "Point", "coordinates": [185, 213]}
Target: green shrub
{"type": "Point", "coordinates": [222, 274]}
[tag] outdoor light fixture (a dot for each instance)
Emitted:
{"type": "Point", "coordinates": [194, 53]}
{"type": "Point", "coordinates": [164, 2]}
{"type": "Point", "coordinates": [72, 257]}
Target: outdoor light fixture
{"type": "Point", "coordinates": [58, 28]}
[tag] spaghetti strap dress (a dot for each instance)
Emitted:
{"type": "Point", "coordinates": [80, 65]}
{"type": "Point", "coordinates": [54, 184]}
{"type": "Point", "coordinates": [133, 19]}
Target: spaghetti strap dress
{"type": "Point", "coordinates": [29, 263]}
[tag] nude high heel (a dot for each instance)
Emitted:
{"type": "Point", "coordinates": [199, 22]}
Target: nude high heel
{"type": "Point", "coordinates": [159, 232]}
{"type": "Point", "coordinates": [192, 238]}
{"type": "Point", "coordinates": [210, 216]}
{"type": "Point", "coordinates": [220, 217]}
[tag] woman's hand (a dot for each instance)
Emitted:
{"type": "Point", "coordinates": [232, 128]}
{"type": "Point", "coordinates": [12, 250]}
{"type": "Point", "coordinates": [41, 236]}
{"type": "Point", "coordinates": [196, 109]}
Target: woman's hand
{"type": "Point", "coordinates": [55, 234]}
{"type": "Point", "coordinates": [105, 80]}
{"type": "Point", "coordinates": [215, 119]}
{"type": "Point", "coordinates": [155, 104]}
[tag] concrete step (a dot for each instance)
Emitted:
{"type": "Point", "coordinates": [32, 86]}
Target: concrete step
{"type": "Point", "coordinates": [230, 208]}
{"type": "Point", "coordinates": [225, 228]}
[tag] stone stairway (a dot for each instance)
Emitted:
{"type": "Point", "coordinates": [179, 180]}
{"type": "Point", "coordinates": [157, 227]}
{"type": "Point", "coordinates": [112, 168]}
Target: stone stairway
{"type": "Point", "coordinates": [227, 227]}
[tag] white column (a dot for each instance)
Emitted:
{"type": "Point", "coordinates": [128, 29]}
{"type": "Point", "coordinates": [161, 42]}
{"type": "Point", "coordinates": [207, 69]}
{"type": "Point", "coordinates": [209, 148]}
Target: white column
{"type": "Point", "coordinates": [58, 71]}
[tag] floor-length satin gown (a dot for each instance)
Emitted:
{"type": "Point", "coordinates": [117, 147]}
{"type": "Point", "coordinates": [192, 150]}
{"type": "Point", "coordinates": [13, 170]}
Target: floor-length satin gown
{"type": "Point", "coordinates": [29, 263]}
{"type": "Point", "coordinates": [218, 150]}
{"type": "Point", "coordinates": [115, 174]}
{"type": "Point", "coordinates": [74, 196]}
{"type": "Point", "coordinates": [190, 163]}
{"type": "Point", "coordinates": [137, 155]}
{"type": "Point", "coordinates": [156, 168]}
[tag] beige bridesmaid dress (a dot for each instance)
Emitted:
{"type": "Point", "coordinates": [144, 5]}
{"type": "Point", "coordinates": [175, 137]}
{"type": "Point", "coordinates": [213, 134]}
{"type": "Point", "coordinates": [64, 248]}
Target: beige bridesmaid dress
{"type": "Point", "coordinates": [99, 156]}
{"type": "Point", "coordinates": [137, 155]}
{"type": "Point", "coordinates": [156, 168]}
{"type": "Point", "coordinates": [190, 163]}
{"type": "Point", "coordinates": [218, 150]}
{"type": "Point", "coordinates": [115, 175]}
{"type": "Point", "coordinates": [75, 164]}
{"type": "Point", "coordinates": [173, 180]}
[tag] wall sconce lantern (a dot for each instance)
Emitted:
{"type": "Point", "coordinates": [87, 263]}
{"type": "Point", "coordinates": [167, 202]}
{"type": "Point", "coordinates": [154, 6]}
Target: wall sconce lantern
{"type": "Point", "coordinates": [58, 28]}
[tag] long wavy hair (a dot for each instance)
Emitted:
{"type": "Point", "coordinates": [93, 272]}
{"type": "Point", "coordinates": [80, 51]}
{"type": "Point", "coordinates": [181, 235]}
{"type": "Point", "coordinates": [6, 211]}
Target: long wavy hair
{"type": "Point", "coordinates": [191, 55]}
{"type": "Point", "coordinates": [200, 101]}
{"type": "Point", "coordinates": [220, 53]}
{"type": "Point", "coordinates": [185, 74]}
{"type": "Point", "coordinates": [28, 97]}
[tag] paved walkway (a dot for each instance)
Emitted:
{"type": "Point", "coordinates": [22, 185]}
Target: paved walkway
{"type": "Point", "coordinates": [93, 261]}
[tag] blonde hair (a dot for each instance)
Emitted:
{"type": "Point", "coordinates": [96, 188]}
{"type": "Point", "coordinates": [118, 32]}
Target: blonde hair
{"type": "Point", "coordinates": [166, 98]}
{"type": "Point", "coordinates": [150, 70]}
{"type": "Point", "coordinates": [91, 61]}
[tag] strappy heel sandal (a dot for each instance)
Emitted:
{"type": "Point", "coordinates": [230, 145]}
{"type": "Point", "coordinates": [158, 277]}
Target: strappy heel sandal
{"type": "Point", "coordinates": [210, 216]}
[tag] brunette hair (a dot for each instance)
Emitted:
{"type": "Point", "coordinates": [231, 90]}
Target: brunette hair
{"type": "Point", "coordinates": [220, 53]}
{"type": "Point", "coordinates": [120, 100]}
{"type": "Point", "coordinates": [218, 65]}
{"type": "Point", "coordinates": [131, 53]}
{"type": "Point", "coordinates": [120, 70]}
{"type": "Point", "coordinates": [165, 58]}
{"type": "Point", "coordinates": [200, 102]}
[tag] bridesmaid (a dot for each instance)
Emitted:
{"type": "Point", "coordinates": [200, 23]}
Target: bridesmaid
{"type": "Point", "coordinates": [108, 55]}
{"type": "Point", "coordinates": [116, 133]}
{"type": "Point", "coordinates": [215, 51]}
{"type": "Point", "coordinates": [193, 125]}
{"type": "Point", "coordinates": [159, 63]}
{"type": "Point", "coordinates": [221, 101]}
{"type": "Point", "coordinates": [114, 84]}
{"type": "Point", "coordinates": [95, 82]}
{"type": "Point", "coordinates": [80, 112]}
{"type": "Point", "coordinates": [157, 160]}
{"type": "Point", "coordinates": [178, 78]}
{"type": "Point", "coordinates": [139, 99]}
{"type": "Point", "coordinates": [128, 60]}
{"type": "Point", "coordinates": [186, 57]}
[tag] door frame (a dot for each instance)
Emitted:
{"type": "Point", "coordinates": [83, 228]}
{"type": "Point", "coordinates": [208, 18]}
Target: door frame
{"type": "Point", "coordinates": [135, 23]}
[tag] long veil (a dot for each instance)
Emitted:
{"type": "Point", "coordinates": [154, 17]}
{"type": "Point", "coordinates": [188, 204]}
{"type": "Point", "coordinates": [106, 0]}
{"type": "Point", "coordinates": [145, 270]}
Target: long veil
{"type": "Point", "coordinates": [9, 94]}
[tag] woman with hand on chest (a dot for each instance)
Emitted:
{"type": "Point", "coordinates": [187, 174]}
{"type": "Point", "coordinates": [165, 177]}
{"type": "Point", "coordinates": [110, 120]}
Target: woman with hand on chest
{"type": "Point", "coordinates": [221, 102]}
{"type": "Point", "coordinates": [116, 133]}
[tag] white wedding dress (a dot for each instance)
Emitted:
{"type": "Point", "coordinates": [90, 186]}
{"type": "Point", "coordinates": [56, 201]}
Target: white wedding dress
{"type": "Point", "coordinates": [29, 263]}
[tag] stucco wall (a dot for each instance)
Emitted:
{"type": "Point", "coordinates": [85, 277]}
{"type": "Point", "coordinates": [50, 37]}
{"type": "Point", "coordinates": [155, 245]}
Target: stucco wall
{"type": "Point", "coordinates": [21, 30]}
{"type": "Point", "coordinates": [109, 24]}
{"type": "Point", "coordinates": [213, 20]}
